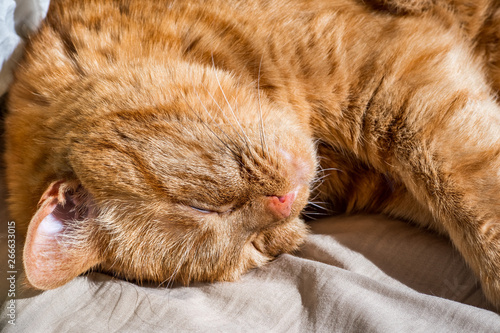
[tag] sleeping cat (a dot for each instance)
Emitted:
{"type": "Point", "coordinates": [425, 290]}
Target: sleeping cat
{"type": "Point", "coordinates": [181, 140]}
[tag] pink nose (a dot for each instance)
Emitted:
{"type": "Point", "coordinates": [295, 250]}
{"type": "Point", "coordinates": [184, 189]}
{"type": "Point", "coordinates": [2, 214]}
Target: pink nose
{"type": "Point", "coordinates": [281, 206]}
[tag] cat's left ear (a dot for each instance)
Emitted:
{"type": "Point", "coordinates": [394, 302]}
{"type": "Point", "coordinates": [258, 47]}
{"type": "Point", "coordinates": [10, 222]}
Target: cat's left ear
{"type": "Point", "coordinates": [50, 260]}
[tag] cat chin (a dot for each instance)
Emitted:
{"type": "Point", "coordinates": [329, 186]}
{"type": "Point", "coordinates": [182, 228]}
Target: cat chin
{"type": "Point", "coordinates": [257, 250]}
{"type": "Point", "coordinates": [260, 249]}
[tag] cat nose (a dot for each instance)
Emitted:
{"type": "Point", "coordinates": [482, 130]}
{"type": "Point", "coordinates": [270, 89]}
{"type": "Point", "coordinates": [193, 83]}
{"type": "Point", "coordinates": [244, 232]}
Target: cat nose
{"type": "Point", "coordinates": [281, 206]}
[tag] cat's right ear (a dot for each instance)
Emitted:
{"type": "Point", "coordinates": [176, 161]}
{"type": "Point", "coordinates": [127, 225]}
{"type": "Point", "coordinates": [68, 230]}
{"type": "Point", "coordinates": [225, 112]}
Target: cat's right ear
{"type": "Point", "coordinates": [50, 260]}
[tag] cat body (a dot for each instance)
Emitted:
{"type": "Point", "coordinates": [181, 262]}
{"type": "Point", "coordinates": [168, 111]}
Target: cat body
{"type": "Point", "coordinates": [179, 140]}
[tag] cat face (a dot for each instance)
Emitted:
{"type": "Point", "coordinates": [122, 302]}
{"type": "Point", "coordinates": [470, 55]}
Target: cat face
{"type": "Point", "coordinates": [195, 190]}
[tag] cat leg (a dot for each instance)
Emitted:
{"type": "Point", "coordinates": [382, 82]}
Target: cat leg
{"type": "Point", "coordinates": [459, 182]}
{"type": "Point", "coordinates": [478, 19]}
{"type": "Point", "coordinates": [444, 145]}
{"type": "Point", "coordinates": [488, 47]}
{"type": "Point", "coordinates": [429, 121]}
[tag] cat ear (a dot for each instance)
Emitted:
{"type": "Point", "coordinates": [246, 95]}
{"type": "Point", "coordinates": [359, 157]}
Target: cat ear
{"type": "Point", "coordinates": [49, 261]}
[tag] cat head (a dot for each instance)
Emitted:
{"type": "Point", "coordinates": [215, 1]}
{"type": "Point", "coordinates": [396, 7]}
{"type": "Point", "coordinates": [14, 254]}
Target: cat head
{"type": "Point", "coordinates": [201, 188]}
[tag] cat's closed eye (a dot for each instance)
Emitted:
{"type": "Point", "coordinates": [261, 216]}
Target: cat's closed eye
{"type": "Point", "coordinates": [203, 210]}
{"type": "Point", "coordinates": [222, 210]}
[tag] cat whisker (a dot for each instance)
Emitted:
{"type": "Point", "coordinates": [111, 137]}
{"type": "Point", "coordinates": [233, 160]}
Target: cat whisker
{"type": "Point", "coordinates": [229, 104]}
{"type": "Point", "coordinates": [317, 202]}
{"type": "Point", "coordinates": [317, 142]}
{"type": "Point", "coordinates": [320, 178]}
{"type": "Point", "coordinates": [317, 206]}
{"type": "Point", "coordinates": [213, 120]}
{"type": "Point", "coordinates": [315, 213]}
{"type": "Point", "coordinates": [307, 215]}
{"type": "Point", "coordinates": [235, 153]}
{"type": "Point", "coordinates": [223, 114]}
{"type": "Point", "coordinates": [235, 102]}
{"type": "Point", "coordinates": [208, 127]}
{"type": "Point", "coordinates": [262, 132]}
{"type": "Point", "coordinates": [171, 279]}
{"type": "Point", "coordinates": [317, 184]}
{"type": "Point", "coordinates": [331, 169]}
{"type": "Point", "coordinates": [317, 194]}
{"type": "Point", "coordinates": [187, 254]}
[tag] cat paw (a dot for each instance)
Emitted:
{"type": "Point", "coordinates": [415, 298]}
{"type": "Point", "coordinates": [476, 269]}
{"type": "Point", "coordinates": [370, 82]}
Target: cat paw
{"type": "Point", "coordinates": [489, 272]}
{"type": "Point", "coordinates": [491, 289]}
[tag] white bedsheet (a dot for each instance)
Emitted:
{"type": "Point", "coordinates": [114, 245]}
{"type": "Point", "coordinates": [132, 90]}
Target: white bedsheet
{"type": "Point", "coordinates": [17, 20]}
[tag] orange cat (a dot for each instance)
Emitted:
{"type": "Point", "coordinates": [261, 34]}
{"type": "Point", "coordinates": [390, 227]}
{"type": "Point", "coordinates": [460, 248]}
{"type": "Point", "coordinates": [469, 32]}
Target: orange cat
{"type": "Point", "coordinates": [179, 140]}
